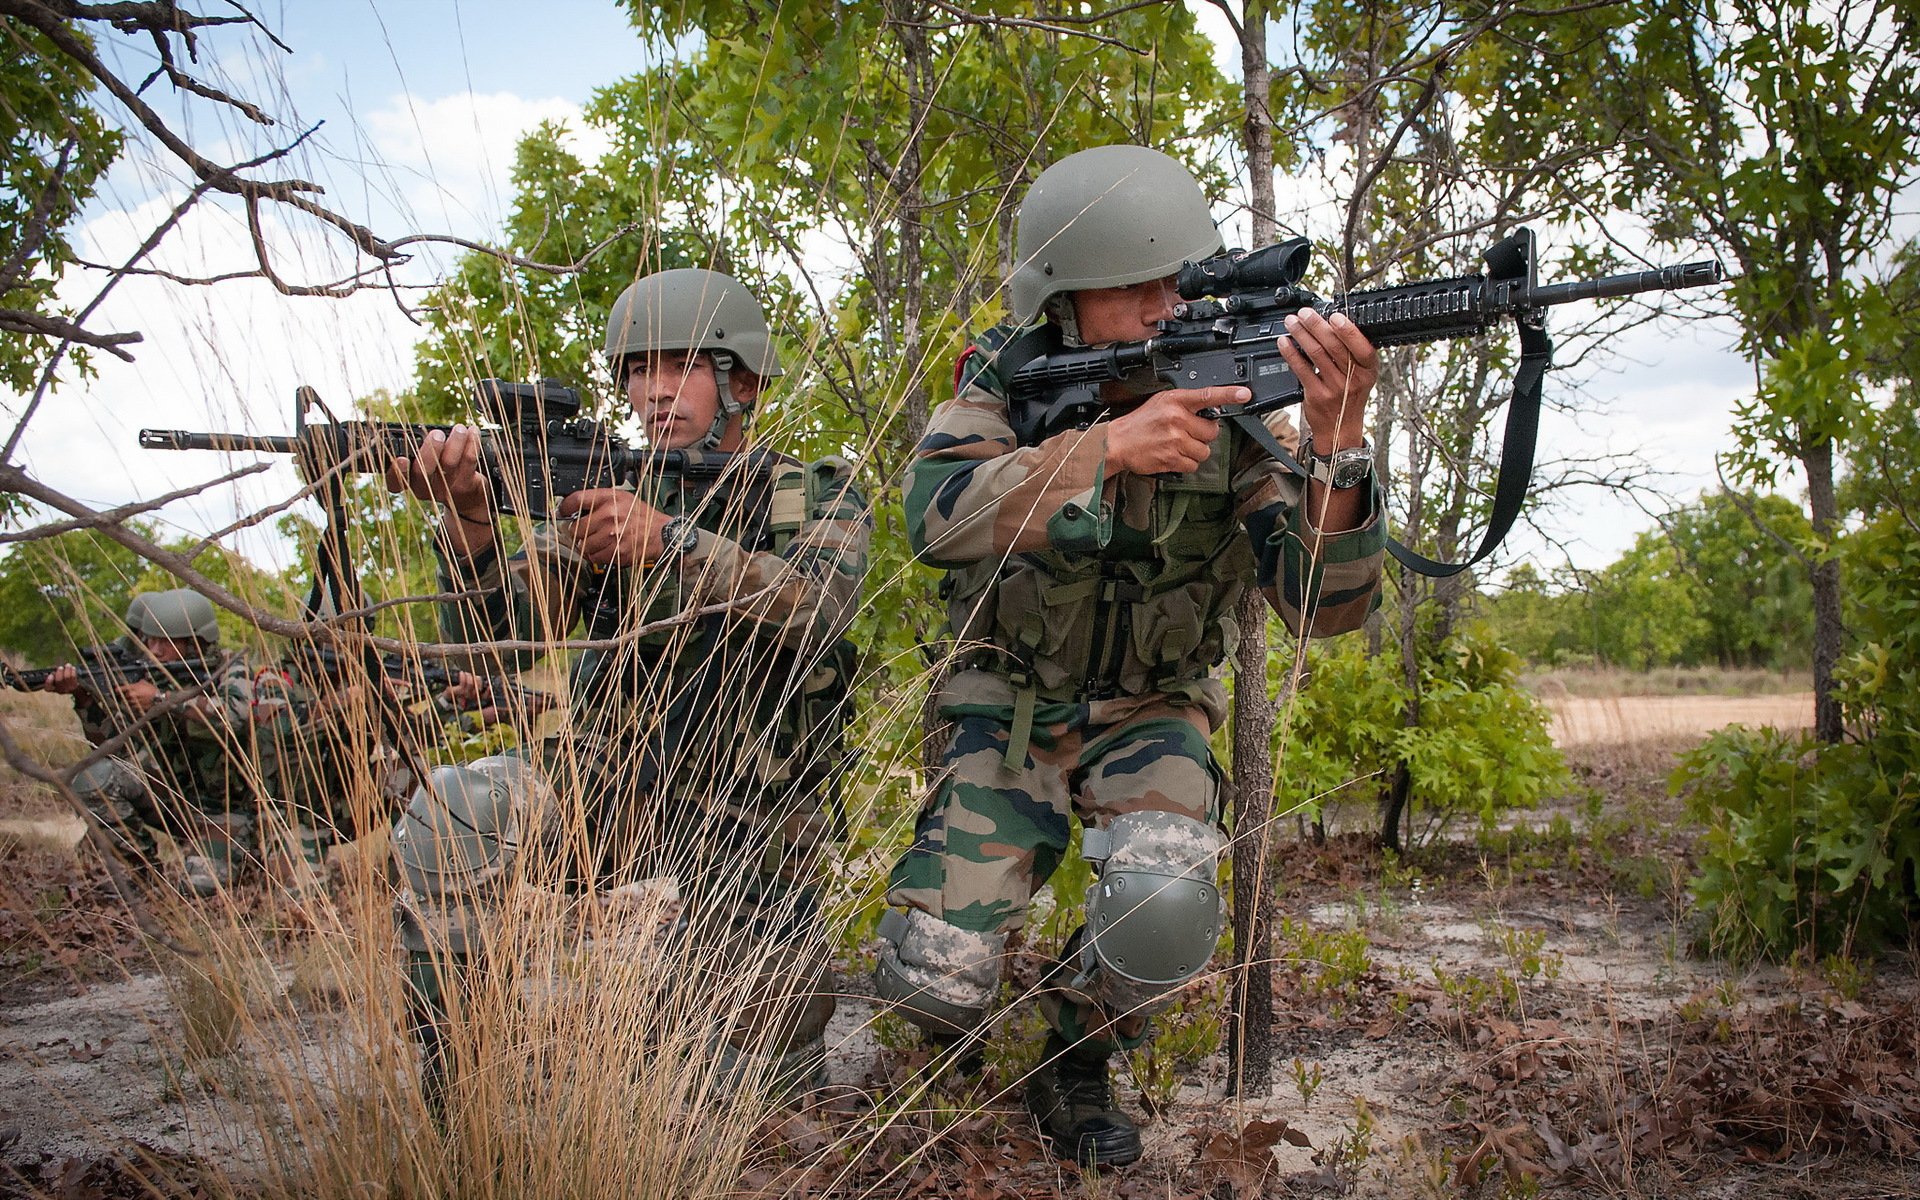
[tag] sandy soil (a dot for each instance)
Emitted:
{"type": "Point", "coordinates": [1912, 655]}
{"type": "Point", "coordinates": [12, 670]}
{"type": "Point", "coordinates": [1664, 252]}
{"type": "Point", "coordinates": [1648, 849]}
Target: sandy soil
{"type": "Point", "coordinates": [91, 1051]}
{"type": "Point", "coordinates": [1617, 720]}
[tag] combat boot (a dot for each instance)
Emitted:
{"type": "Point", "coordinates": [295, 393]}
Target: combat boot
{"type": "Point", "coordinates": [1071, 1097]}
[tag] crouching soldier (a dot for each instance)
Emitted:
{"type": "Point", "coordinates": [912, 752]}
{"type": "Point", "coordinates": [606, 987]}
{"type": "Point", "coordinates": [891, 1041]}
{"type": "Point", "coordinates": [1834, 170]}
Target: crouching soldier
{"type": "Point", "coordinates": [205, 769]}
{"type": "Point", "coordinates": [704, 749]}
{"type": "Point", "coordinates": [1092, 579]}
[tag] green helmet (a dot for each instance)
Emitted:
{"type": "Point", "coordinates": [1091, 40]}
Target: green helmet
{"type": "Point", "coordinates": [1106, 217]}
{"type": "Point", "coordinates": [178, 614]}
{"type": "Point", "coordinates": [690, 309]}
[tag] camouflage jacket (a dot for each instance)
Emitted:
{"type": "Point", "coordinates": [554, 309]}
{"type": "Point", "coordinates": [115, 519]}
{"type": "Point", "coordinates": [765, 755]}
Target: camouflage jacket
{"type": "Point", "coordinates": [222, 751]}
{"type": "Point", "coordinates": [713, 702]}
{"type": "Point", "coordinates": [1079, 587]}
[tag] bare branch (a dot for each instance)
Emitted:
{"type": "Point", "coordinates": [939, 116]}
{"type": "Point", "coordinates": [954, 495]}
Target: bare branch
{"type": "Point", "coordinates": [114, 516]}
{"type": "Point", "coordinates": [322, 631]}
{"type": "Point", "coordinates": [20, 321]}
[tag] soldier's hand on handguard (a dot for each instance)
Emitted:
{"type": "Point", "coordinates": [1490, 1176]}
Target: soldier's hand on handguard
{"type": "Point", "coordinates": [447, 470]}
{"type": "Point", "coordinates": [1166, 435]}
{"type": "Point", "coordinates": [613, 526]}
{"type": "Point", "coordinates": [1337, 367]}
{"type": "Point", "coordinates": [65, 680]}
{"type": "Point", "coordinates": [465, 693]}
{"type": "Point", "coordinates": [139, 695]}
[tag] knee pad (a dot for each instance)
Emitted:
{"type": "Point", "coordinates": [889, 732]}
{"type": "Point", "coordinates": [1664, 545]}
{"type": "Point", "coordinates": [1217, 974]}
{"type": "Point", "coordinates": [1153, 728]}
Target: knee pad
{"type": "Point", "coordinates": [463, 831]}
{"type": "Point", "coordinates": [938, 976]}
{"type": "Point", "coordinates": [1154, 912]}
{"type": "Point", "coordinates": [112, 784]}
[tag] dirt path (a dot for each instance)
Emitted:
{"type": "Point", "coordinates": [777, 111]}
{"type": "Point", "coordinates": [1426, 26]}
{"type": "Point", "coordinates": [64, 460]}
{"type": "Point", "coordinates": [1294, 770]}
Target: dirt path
{"type": "Point", "coordinates": [1616, 720]}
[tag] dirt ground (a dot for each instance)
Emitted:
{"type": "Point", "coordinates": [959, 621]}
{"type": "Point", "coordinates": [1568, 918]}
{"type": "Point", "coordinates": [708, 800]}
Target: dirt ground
{"type": "Point", "coordinates": [1509, 1017]}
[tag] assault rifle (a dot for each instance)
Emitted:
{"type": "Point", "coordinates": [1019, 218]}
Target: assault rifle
{"type": "Point", "coordinates": [1234, 307]}
{"type": "Point", "coordinates": [101, 672]}
{"type": "Point", "coordinates": [536, 448]}
{"type": "Point", "coordinates": [329, 661]}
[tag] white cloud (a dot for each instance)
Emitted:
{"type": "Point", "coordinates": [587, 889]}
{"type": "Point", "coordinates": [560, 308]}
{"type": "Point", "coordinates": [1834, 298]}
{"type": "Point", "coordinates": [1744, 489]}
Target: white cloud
{"type": "Point", "coordinates": [448, 160]}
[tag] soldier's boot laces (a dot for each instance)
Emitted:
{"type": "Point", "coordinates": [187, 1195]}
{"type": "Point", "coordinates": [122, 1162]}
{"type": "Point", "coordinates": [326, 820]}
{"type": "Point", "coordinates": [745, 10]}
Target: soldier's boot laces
{"type": "Point", "coordinates": [1071, 1096]}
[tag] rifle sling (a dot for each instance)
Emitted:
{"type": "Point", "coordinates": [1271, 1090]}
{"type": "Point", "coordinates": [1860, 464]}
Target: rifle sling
{"type": "Point", "coordinates": [1516, 454]}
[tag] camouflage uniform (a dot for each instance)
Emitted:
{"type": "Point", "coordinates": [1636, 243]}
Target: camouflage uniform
{"type": "Point", "coordinates": [204, 773]}
{"type": "Point", "coordinates": [1088, 614]}
{"type": "Point", "coordinates": [695, 750]}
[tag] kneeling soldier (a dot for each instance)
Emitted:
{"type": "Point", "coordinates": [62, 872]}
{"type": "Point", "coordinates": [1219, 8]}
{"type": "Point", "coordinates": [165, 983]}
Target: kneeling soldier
{"type": "Point", "coordinates": [1092, 579]}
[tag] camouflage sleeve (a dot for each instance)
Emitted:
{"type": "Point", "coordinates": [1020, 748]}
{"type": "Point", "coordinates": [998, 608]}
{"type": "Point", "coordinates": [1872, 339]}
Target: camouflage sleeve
{"type": "Point", "coordinates": [974, 493]}
{"type": "Point", "coordinates": [806, 595]}
{"type": "Point", "coordinates": [1321, 584]}
{"type": "Point", "coordinates": [512, 600]}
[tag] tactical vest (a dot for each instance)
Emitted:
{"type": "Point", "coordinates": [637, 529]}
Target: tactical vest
{"type": "Point", "coordinates": [1152, 612]}
{"type": "Point", "coordinates": [720, 684]}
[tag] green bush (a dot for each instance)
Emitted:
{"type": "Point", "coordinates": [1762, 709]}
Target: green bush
{"type": "Point", "coordinates": [1480, 746]}
{"type": "Point", "coordinates": [1812, 847]}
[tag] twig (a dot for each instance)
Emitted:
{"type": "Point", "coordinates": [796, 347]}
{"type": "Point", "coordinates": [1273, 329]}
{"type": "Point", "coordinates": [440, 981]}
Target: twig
{"type": "Point", "coordinates": [114, 516]}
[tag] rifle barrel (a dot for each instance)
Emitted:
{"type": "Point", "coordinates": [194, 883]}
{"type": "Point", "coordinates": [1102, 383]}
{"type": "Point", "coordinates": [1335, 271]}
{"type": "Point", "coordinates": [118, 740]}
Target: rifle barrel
{"type": "Point", "coordinates": [1666, 279]}
{"type": "Point", "coordinates": [180, 439]}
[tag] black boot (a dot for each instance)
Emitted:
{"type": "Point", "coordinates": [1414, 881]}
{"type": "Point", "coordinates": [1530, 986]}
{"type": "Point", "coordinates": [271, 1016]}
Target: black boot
{"type": "Point", "coordinates": [1072, 1099]}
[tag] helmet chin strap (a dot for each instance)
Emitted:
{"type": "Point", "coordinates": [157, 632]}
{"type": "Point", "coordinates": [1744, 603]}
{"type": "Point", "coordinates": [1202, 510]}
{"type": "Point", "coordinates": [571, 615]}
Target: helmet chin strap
{"type": "Point", "coordinates": [728, 408]}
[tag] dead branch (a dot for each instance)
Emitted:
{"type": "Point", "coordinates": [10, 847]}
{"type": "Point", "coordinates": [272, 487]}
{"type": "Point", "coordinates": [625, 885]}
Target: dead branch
{"type": "Point", "coordinates": [62, 783]}
{"type": "Point", "coordinates": [113, 516]}
{"type": "Point", "coordinates": [57, 327]}
{"type": "Point", "coordinates": [322, 631]}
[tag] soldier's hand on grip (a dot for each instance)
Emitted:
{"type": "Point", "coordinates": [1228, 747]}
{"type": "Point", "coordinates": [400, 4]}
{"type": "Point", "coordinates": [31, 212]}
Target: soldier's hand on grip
{"type": "Point", "coordinates": [611, 525]}
{"type": "Point", "coordinates": [1167, 435]}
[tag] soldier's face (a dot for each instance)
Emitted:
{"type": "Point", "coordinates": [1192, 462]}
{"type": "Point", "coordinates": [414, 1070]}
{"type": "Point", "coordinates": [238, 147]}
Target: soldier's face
{"type": "Point", "coordinates": [167, 650]}
{"type": "Point", "coordinates": [1123, 314]}
{"type": "Point", "coordinates": [675, 395]}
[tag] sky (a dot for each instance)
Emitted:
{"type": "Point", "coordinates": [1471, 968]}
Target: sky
{"type": "Point", "coordinates": [419, 104]}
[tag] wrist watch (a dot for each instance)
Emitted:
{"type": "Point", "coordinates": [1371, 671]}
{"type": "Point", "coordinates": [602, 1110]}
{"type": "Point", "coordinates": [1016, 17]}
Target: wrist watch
{"type": "Point", "coordinates": [678, 536]}
{"type": "Point", "coordinates": [1340, 470]}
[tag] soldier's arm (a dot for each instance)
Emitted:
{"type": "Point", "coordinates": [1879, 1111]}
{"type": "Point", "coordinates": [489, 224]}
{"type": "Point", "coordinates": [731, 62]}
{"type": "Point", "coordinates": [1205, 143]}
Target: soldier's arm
{"type": "Point", "coordinates": [1320, 583]}
{"type": "Point", "coordinates": [974, 493]}
{"type": "Point", "coordinates": [806, 595]}
{"type": "Point", "coordinates": [533, 595]}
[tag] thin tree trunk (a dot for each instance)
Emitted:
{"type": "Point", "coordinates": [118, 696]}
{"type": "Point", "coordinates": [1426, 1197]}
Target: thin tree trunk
{"type": "Point", "coordinates": [1829, 631]}
{"type": "Point", "coordinates": [1250, 1033]}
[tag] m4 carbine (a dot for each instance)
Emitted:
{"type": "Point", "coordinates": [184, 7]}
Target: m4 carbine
{"type": "Point", "coordinates": [101, 672]}
{"type": "Point", "coordinates": [331, 662]}
{"type": "Point", "coordinates": [1235, 307]}
{"type": "Point", "coordinates": [537, 450]}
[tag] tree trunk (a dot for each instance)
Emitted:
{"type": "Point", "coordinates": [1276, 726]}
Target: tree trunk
{"type": "Point", "coordinates": [1250, 1033]}
{"type": "Point", "coordinates": [1829, 631]}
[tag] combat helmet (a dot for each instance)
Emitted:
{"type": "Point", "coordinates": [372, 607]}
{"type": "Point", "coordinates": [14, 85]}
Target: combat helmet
{"type": "Point", "coordinates": [692, 309]}
{"type": "Point", "coordinates": [1106, 217]}
{"type": "Point", "coordinates": [177, 614]}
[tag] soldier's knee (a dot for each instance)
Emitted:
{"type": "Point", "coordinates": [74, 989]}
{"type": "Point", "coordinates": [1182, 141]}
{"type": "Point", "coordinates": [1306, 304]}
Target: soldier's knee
{"type": "Point", "coordinates": [112, 789]}
{"type": "Point", "coordinates": [938, 976]}
{"type": "Point", "coordinates": [1154, 912]}
{"type": "Point", "coordinates": [456, 844]}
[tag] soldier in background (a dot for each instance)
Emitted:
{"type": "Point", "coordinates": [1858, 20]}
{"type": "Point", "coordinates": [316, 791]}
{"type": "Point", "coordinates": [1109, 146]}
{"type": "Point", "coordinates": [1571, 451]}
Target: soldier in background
{"type": "Point", "coordinates": [205, 771]}
{"type": "Point", "coordinates": [705, 750]}
{"type": "Point", "coordinates": [1092, 579]}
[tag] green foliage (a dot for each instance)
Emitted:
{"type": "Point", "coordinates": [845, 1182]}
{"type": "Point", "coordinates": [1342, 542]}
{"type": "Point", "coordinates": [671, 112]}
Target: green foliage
{"type": "Point", "coordinates": [1721, 583]}
{"type": "Point", "coordinates": [54, 150]}
{"type": "Point", "coordinates": [1815, 848]}
{"type": "Point", "coordinates": [1480, 746]}
{"type": "Point", "coordinates": [61, 593]}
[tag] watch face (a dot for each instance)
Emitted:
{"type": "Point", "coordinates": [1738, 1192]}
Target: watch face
{"type": "Point", "coordinates": [1351, 468]}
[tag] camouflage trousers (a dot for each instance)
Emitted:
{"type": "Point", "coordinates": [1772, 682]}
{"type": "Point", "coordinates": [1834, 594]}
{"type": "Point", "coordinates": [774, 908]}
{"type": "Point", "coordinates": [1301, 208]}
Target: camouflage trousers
{"type": "Point", "coordinates": [747, 870]}
{"type": "Point", "coordinates": [990, 837]}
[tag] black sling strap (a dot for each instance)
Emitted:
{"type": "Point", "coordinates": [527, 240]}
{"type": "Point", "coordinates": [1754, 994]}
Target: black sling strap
{"type": "Point", "coordinates": [1516, 454]}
